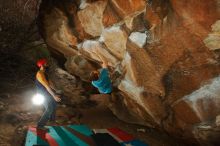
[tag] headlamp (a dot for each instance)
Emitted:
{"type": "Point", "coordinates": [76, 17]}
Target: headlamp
{"type": "Point", "coordinates": [38, 99]}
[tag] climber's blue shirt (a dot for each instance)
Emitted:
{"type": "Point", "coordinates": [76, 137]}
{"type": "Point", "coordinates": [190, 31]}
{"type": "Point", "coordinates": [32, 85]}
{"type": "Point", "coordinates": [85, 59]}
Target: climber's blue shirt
{"type": "Point", "coordinates": [103, 84]}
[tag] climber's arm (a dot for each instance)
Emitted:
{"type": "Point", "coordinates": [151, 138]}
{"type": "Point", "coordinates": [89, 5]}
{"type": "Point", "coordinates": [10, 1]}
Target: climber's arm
{"type": "Point", "coordinates": [103, 59]}
{"type": "Point", "coordinates": [42, 79]}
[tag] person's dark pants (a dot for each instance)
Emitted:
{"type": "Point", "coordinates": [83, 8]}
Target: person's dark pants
{"type": "Point", "coordinates": [50, 111]}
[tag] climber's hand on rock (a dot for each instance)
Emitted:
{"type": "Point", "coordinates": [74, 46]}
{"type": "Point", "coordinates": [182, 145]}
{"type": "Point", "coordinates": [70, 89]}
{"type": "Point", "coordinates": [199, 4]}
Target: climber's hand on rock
{"type": "Point", "coordinates": [57, 98]}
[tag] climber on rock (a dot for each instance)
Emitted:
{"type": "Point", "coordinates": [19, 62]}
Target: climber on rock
{"type": "Point", "coordinates": [100, 78]}
{"type": "Point", "coordinates": [44, 88]}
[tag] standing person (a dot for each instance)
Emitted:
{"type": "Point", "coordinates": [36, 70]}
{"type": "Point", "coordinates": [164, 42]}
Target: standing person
{"type": "Point", "coordinates": [101, 79]}
{"type": "Point", "coordinates": [51, 98]}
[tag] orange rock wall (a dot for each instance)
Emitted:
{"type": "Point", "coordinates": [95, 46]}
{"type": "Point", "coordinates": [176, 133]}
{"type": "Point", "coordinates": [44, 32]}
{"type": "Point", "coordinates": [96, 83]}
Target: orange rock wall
{"type": "Point", "coordinates": [160, 50]}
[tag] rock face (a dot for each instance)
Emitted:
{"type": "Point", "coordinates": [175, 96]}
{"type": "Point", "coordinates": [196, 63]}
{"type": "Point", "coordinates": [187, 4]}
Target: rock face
{"type": "Point", "coordinates": [67, 84]}
{"type": "Point", "coordinates": [212, 41]}
{"type": "Point", "coordinates": [164, 52]}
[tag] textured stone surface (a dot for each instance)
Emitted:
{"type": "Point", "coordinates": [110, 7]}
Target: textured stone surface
{"type": "Point", "coordinates": [217, 120]}
{"type": "Point", "coordinates": [91, 49]}
{"type": "Point", "coordinates": [67, 84]}
{"type": "Point", "coordinates": [58, 33]}
{"type": "Point", "coordinates": [201, 105]}
{"type": "Point", "coordinates": [143, 84]}
{"type": "Point", "coordinates": [91, 18]}
{"type": "Point", "coordinates": [212, 41]}
{"type": "Point", "coordinates": [197, 16]}
{"type": "Point", "coordinates": [125, 9]}
{"type": "Point", "coordinates": [115, 39]}
{"type": "Point", "coordinates": [207, 133]}
{"type": "Point", "coordinates": [138, 38]}
{"type": "Point", "coordinates": [79, 66]}
{"type": "Point", "coordinates": [162, 52]}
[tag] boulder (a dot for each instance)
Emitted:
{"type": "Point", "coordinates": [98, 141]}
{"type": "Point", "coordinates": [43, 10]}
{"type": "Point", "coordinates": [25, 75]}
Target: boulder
{"type": "Point", "coordinates": [58, 32]}
{"type": "Point", "coordinates": [160, 56]}
{"type": "Point", "coordinates": [72, 91]}
{"type": "Point", "coordinates": [116, 45]}
{"type": "Point", "coordinates": [92, 49]}
{"type": "Point", "coordinates": [91, 17]}
{"type": "Point", "coordinates": [213, 39]}
{"type": "Point", "coordinates": [79, 66]}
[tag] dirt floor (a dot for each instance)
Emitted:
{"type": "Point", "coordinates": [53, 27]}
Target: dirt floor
{"type": "Point", "coordinates": [17, 112]}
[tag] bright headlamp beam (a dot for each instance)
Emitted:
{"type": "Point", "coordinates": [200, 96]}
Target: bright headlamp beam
{"type": "Point", "coordinates": [38, 99]}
